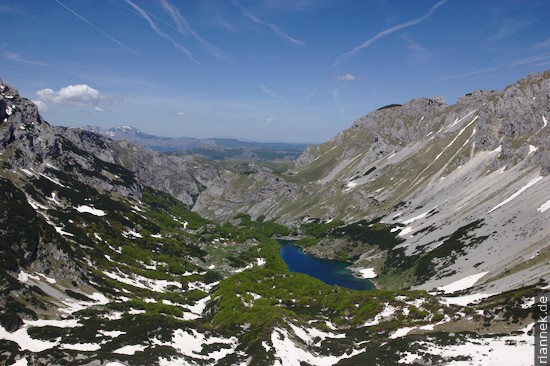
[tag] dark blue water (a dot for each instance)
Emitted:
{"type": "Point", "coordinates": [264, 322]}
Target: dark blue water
{"type": "Point", "coordinates": [329, 271]}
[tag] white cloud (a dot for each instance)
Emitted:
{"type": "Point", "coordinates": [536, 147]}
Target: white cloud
{"type": "Point", "coordinates": [346, 77]}
{"type": "Point", "coordinates": [180, 114]}
{"type": "Point", "coordinates": [80, 95]}
{"type": "Point", "coordinates": [269, 120]}
{"type": "Point", "coordinates": [42, 107]}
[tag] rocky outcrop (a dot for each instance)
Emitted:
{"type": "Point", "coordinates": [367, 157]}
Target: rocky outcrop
{"type": "Point", "coordinates": [183, 176]}
{"type": "Point", "coordinates": [28, 142]}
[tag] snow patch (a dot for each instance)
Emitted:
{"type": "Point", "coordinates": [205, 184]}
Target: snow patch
{"type": "Point", "coordinates": [82, 347]}
{"type": "Point", "coordinates": [532, 149]}
{"type": "Point", "coordinates": [545, 206]}
{"type": "Point", "coordinates": [388, 311]}
{"type": "Point", "coordinates": [90, 210]}
{"type": "Point", "coordinates": [366, 272]}
{"type": "Point", "coordinates": [401, 332]}
{"type": "Point", "coordinates": [130, 349]}
{"type": "Point", "coordinates": [142, 282]}
{"type": "Point", "coordinates": [421, 216]}
{"type": "Point", "coordinates": [489, 351]}
{"type": "Point", "coordinates": [288, 353]}
{"type": "Point", "coordinates": [520, 191]}
{"type": "Point", "coordinates": [406, 231]}
{"type": "Point", "coordinates": [462, 284]}
{"type": "Point", "coordinates": [466, 299]}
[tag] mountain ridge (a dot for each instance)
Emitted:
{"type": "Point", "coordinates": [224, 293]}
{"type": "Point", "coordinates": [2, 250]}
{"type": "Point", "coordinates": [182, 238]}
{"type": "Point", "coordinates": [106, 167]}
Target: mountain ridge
{"type": "Point", "coordinates": [100, 266]}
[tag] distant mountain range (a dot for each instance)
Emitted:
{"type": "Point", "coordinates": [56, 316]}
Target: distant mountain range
{"type": "Point", "coordinates": [213, 148]}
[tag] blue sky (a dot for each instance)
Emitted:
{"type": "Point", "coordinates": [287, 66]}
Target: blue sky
{"type": "Point", "coordinates": [265, 70]}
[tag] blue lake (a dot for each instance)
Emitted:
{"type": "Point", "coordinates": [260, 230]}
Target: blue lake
{"type": "Point", "coordinates": [329, 271]}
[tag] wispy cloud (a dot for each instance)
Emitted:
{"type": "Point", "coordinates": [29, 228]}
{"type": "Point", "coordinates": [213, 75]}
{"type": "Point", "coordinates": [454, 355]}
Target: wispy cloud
{"type": "Point", "coordinates": [471, 73]}
{"type": "Point", "coordinates": [337, 98]}
{"type": "Point", "coordinates": [510, 27]}
{"type": "Point", "coordinates": [152, 24]}
{"type": "Point", "coordinates": [185, 29]}
{"type": "Point", "coordinates": [97, 28]}
{"type": "Point", "coordinates": [296, 5]}
{"type": "Point", "coordinates": [412, 45]}
{"type": "Point", "coordinates": [386, 32]}
{"type": "Point", "coordinates": [270, 92]}
{"type": "Point", "coordinates": [274, 27]}
{"type": "Point", "coordinates": [418, 53]}
{"type": "Point", "coordinates": [346, 77]}
{"type": "Point", "coordinates": [15, 57]}
{"type": "Point", "coordinates": [542, 45]}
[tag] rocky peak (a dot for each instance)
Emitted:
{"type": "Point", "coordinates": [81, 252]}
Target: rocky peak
{"type": "Point", "coordinates": [28, 142]}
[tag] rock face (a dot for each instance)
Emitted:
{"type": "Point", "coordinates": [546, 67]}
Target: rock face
{"type": "Point", "coordinates": [31, 143]}
{"type": "Point", "coordinates": [184, 176]}
{"type": "Point", "coordinates": [434, 170]}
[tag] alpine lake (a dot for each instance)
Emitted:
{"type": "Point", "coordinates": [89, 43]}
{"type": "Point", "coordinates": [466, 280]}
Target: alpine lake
{"type": "Point", "coordinates": [332, 272]}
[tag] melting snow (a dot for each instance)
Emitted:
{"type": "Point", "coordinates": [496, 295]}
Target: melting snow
{"type": "Point", "coordinates": [465, 300]}
{"type": "Point", "coordinates": [388, 311]}
{"type": "Point", "coordinates": [545, 206]}
{"type": "Point", "coordinates": [544, 121]}
{"type": "Point", "coordinates": [142, 282]}
{"type": "Point", "coordinates": [133, 233]}
{"type": "Point", "coordinates": [82, 346]}
{"type": "Point", "coordinates": [60, 230]}
{"type": "Point", "coordinates": [28, 172]}
{"type": "Point", "coordinates": [507, 350]}
{"type": "Point", "coordinates": [53, 180]}
{"type": "Point", "coordinates": [90, 210]}
{"type": "Point", "coordinates": [190, 343]}
{"type": "Point", "coordinates": [112, 333]}
{"type": "Point", "coordinates": [532, 149]}
{"type": "Point", "coordinates": [497, 150]}
{"type": "Point", "coordinates": [520, 191]}
{"type": "Point", "coordinates": [350, 185]}
{"type": "Point", "coordinates": [289, 354]}
{"type": "Point", "coordinates": [54, 199]}
{"type": "Point", "coordinates": [367, 272]}
{"type": "Point", "coordinates": [406, 231]}
{"type": "Point", "coordinates": [25, 342]}
{"type": "Point", "coordinates": [21, 362]}
{"type": "Point", "coordinates": [401, 332]}
{"type": "Point", "coordinates": [421, 216]}
{"type": "Point", "coordinates": [462, 284]}
{"type": "Point", "coordinates": [130, 349]}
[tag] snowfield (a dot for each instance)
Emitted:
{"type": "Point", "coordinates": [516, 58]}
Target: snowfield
{"type": "Point", "coordinates": [462, 284]}
{"type": "Point", "coordinates": [90, 210]}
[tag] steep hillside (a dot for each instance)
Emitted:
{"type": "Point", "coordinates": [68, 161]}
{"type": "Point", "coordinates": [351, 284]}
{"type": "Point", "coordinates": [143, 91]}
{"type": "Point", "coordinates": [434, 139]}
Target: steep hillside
{"type": "Point", "coordinates": [463, 187]}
